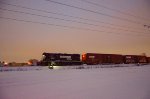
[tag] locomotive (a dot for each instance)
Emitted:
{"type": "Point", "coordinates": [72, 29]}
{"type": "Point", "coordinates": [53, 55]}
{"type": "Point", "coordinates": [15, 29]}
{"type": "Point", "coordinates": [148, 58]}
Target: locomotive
{"type": "Point", "coordinates": [63, 59]}
{"type": "Point", "coordinates": [60, 59]}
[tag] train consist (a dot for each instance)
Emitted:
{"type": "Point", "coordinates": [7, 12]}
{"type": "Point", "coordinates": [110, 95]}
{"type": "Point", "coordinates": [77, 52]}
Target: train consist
{"type": "Point", "coordinates": [63, 59]}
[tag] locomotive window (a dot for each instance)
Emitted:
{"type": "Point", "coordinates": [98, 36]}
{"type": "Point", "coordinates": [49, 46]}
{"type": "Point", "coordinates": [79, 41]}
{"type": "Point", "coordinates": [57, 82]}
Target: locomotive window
{"type": "Point", "coordinates": [43, 57]}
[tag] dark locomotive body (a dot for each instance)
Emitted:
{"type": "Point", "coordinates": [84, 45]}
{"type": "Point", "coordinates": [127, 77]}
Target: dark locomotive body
{"type": "Point", "coordinates": [60, 59]}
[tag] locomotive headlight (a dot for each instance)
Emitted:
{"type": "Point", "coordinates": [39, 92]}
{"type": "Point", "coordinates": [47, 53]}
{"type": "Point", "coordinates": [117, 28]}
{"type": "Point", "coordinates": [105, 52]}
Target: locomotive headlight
{"type": "Point", "coordinates": [5, 63]}
{"type": "Point", "coordinates": [56, 67]}
{"type": "Point", "coordinates": [50, 67]}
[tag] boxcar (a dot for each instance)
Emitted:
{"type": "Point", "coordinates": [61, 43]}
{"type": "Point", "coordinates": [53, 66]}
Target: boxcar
{"type": "Point", "coordinates": [95, 58]}
{"type": "Point", "coordinates": [60, 59]}
{"type": "Point", "coordinates": [130, 59]}
{"type": "Point", "coordinates": [92, 58]}
{"type": "Point", "coordinates": [142, 59]}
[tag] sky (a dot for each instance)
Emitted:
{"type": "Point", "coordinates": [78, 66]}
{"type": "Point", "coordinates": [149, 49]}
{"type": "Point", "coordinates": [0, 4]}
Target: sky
{"type": "Point", "coordinates": [29, 28]}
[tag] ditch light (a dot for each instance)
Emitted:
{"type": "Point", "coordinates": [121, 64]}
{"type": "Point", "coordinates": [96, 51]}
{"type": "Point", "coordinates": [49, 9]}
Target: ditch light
{"type": "Point", "coordinates": [54, 67]}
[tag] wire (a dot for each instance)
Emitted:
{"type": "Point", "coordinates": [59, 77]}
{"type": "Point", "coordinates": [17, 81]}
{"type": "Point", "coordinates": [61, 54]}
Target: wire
{"type": "Point", "coordinates": [99, 5]}
{"type": "Point", "coordinates": [87, 10]}
{"type": "Point", "coordinates": [64, 26]}
{"type": "Point", "coordinates": [66, 20]}
{"type": "Point", "coordinates": [122, 26]}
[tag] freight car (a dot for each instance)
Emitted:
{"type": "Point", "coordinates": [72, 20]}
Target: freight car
{"type": "Point", "coordinates": [142, 59]}
{"type": "Point", "coordinates": [95, 58]}
{"type": "Point", "coordinates": [148, 60]}
{"type": "Point", "coordinates": [132, 59]}
{"type": "Point", "coordinates": [60, 59]}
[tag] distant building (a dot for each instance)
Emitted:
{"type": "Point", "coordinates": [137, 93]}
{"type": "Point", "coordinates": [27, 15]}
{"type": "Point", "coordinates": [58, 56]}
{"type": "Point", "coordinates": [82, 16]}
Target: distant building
{"type": "Point", "coordinates": [17, 64]}
{"type": "Point", "coordinates": [1, 64]}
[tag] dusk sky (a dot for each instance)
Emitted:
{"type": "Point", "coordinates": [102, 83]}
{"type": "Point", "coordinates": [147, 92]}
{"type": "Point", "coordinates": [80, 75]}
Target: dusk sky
{"type": "Point", "coordinates": [30, 27]}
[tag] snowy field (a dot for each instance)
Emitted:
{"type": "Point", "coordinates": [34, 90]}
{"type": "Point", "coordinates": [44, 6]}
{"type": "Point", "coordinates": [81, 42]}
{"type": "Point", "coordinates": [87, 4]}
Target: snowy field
{"type": "Point", "coordinates": [27, 68]}
{"type": "Point", "coordinates": [131, 82]}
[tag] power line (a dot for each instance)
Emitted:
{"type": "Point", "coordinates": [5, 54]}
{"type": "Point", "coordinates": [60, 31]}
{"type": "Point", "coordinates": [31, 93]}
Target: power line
{"type": "Point", "coordinates": [112, 9]}
{"type": "Point", "coordinates": [64, 26]}
{"type": "Point", "coordinates": [24, 7]}
{"type": "Point", "coordinates": [96, 12]}
{"type": "Point", "coordinates": [67, 20]}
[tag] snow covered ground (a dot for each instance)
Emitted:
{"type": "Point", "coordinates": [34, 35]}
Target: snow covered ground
{"type": "Point", "coordinates": [22, 68]}
{"type": "Point", "coordinates": [27, 68]}
{"type": "Point", "coordinates": [97, 83]}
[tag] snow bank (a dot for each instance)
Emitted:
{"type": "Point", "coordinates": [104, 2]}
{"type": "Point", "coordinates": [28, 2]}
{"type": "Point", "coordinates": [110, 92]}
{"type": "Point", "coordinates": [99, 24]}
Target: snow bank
{"type": "Point", "coordinates": [23, 68]}
{"type": "Point", "coordinates": [27, 68]}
